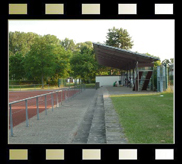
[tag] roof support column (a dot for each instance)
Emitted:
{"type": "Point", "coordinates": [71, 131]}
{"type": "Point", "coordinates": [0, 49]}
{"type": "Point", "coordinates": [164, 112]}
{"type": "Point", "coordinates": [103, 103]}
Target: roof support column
{"type": "Point", "coordinates": [138, 75]}
{"type": "Point", "coordinates": [137, 78]}
{"type": "Point", "coordinates": [153, 78]}
{"type": "Point", "coordinates": [133, 77]}
{"type": "Point", "coordinates": [126, 78]}
{"type": "Point", "coordinates": [130, 78]}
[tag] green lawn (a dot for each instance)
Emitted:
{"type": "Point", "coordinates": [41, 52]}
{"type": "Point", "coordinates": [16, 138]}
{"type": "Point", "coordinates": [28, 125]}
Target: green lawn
{"type": "Point", "coordinates": [91, 85]}
{"type": "Point", "coordinates": [146, 118]}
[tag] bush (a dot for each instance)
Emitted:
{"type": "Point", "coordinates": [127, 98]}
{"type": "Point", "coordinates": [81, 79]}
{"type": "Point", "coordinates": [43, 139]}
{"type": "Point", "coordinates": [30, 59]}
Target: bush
{"type": "Point", "coordinates": [14, 82]}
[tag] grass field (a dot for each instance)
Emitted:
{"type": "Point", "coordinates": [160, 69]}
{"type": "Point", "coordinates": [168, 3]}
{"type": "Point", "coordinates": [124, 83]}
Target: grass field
{"type": "Point", "coordinates": [146, 118]}
{"type": "Point", "coordinates": [91, 85]}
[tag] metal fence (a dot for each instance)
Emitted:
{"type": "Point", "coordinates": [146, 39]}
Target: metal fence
{"type": "Point", "coordinates": [67, 95]}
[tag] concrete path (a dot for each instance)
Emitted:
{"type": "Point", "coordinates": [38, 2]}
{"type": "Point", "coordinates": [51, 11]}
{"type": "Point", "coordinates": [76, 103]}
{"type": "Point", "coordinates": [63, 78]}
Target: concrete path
{"type": "Point", "coordinates": [87, 118]}
{"type": "Point", "coordinates": [92, 127]}
{"type": "Point", "coordinates": [114, 130]}
{"type": "Point", "coordinates": [59, 126]}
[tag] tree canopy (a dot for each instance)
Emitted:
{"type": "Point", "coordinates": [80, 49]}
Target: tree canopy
{"type": "Point", "coordinates": [68, 44]}
{"type": "Point", "coordinates": [83, 63]}
{"type": "Point", "coordinates": [40, 60]}
{"type": "Point", "coordinates": [47, 58]}
{"type": "Point", "coordinates": [16, 66]}
{"type": "Point", "coordinates": [20, 42]}
{"type": "Point", "coordinates": [119, 38]}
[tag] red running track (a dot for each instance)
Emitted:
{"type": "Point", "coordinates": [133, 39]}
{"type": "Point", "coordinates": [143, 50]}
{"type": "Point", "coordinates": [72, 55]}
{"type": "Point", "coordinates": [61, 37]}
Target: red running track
{"type": "Point", "coordinates": [18, 109]}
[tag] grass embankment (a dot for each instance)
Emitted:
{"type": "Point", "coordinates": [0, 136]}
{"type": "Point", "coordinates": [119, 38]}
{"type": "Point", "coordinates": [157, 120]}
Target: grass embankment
{"type": "Point", "coordinates": [146, 118]}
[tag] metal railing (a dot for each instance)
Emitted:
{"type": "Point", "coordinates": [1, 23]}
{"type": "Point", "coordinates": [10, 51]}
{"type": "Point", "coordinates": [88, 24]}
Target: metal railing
{"type": "Point", "coordinates": [67, 95]}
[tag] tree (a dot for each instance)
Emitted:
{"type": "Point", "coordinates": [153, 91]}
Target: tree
{"type": "Point", "coordinates": [83, 66]}
{"type": "Point", "coordinates": [86, 47]}
{"type": "Point", "coordinates": [16, 66]}
{"type": "Point", "coordinates": [20, 42]}
{"type": "Point", "coordinates": [62, 61]}
{"type": "Point", "coordinates": [86, 61]}
{"type": "Point", "coordinates": [68, 44]}
{"type": "Point", "coordinates": [40, 60]}
{"type": "Point", "coordinates": [156, 63]}
{"type": "Point", "coordinates": [165, 61]}
{"type": "Point", "coordinates": [119, 38]}
{"type": "Point", "coordinates": [172, 60]}
{"type": "Point", "coordinates": [103, 70]}
{"type": "Point", "coordinates": [51, 39]}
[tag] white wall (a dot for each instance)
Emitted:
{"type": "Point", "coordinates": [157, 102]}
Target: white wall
{"type": "Point", "coordinates": [107, 80]}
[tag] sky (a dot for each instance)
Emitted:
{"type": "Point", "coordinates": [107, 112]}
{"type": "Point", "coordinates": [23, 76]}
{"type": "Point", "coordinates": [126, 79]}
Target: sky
{"type": "Point", "coordinates": [155, 36]}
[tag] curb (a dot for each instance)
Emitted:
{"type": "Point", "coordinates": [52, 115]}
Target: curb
{"type": "Point", "coordinates": [114, 131]}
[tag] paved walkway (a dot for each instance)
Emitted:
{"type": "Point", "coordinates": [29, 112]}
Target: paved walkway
{"type": "Point", "coordinates": [58, 126]}
{"type": "Point", "coordinates": [92, 127]}
{"type": "Point", "coordinates": [87, 118]}
{"type": "Point", "coordinates": [114, 130]}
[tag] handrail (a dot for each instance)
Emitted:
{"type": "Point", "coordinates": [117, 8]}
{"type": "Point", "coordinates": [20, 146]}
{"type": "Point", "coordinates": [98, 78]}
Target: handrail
{"type": "Point", "coordinates": [13, 102]}
{"type": "Point", "coordinates": [80, 88]}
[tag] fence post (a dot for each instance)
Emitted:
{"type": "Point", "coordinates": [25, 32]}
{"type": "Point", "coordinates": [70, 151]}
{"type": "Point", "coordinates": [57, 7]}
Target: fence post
{"type": "Point", "coordinates": [61, 96]}
{"type": "Point", "coordinates": [26, 107]}
{"type": "Point", "coordinates": [37, 103]}
{"type": "Point", "coordinates": [68, 92]}
{"type": "Point", "coordinates": [46, 104]}
{"type": "Point", "coordinates": [57, 99]}
{"type": "Point", "coordinates": [52, 98]}
{"type": "Point", "coordinates": [65, 95]}
{"type": "Point", "coordinates": [11, 121]}
{"type": "Point", "coordinates": [72, 92]}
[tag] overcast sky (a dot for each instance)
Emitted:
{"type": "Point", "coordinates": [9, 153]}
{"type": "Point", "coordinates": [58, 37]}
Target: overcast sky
{"type": "Point", "coordinates": [155, 37]}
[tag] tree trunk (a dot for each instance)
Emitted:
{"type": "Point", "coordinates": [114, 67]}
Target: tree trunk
{"type": "Point", "coordinates": [42, 81]}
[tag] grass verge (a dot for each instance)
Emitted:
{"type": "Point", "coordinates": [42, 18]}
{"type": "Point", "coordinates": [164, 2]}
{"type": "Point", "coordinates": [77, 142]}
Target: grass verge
{"type": "Point", "coordinates": [146, 118]}
{"type": "Point", "coordinates": [91, 85]}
